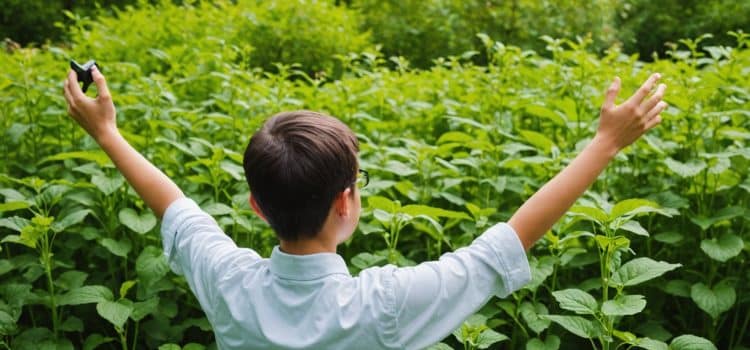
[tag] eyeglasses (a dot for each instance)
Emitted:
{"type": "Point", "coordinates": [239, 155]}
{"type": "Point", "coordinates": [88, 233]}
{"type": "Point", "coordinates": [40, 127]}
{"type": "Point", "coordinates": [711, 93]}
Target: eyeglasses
{"type": "Point", "coordinates": [363, 178]}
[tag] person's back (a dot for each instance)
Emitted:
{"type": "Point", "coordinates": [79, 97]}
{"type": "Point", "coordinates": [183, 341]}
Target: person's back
{"type": "Point", "coordinates": [303, 174]}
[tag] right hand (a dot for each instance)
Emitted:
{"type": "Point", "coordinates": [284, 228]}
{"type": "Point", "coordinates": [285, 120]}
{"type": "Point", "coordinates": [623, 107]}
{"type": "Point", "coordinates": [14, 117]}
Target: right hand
{"type": "Point", "coordinates": [619, 126]}
{"type": "Point", "coordinates": [95, 115]}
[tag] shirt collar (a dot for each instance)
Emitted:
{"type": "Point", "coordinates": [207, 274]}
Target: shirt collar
{"type": "Point", "coordinates": [306, 267]}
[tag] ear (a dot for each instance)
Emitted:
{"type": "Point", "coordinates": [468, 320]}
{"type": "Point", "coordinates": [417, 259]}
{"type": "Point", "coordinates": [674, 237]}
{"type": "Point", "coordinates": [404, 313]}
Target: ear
{"type": "Point", "coordinates": [256, 208]}
{"type": "Point", "coordinates": [341, 203]}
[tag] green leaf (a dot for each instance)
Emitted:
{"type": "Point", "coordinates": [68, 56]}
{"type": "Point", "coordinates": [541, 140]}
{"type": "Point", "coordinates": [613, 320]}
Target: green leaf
{"type": "Point", "coordinates": [95, 340]}
{"type": "Point", "coordinates": [142, 309]}
{"type": "Point", "coordinates": [15, 205]}
{"type": "Point", "coordinates": [116, 312]}
{"type": "Point", "coordinates": [577, 325]}
{"type": "Point", "coordinates": [14, 223]}
{"type": "Point", "coordinates": [416, 209]}
{"type": "Point", "coordinates": [85, 295]}
{"type": "Point", "coordinates": [541, 269]}
{"type": "Point", "coordinates": [99, 157]}
{"type": "Point", "coordinates": [538, 140]}
{"type": "Point", "coordinates": [382, 203]}
{"type": "Point", "coordinates": [489, 337]}
{"type": "Point", "coordinates": [107, 185]}
{"type": "Point", "coordinates": [551, 343]}
{"type": "Point", "coordinates": [151, 266]}
{"type": "Point", "coordinates": [726, 247]}
{"type": "Point", "coordinates": [125, 287]}
{"type": "Point", "coordinates": [634, 206]}
{"type": "Point", "coordinates": [713, 301]}
{"type": "Point", "coordinates": [138, 223]}
{"type": "Point", "coordinates": [650, 344]}
{"type": "Point", "coordinates": [691, 342]}
{"type": "Point", "coordinates": [217, 209]}
{"type": "Point", "coordinates": [634, 227]}
{"type": "Point", "coordinates": [589, 213]}
{"type": "Point", "coordinates": [70, 220]}
{"type": "Point", "coordinates": [546, 113]}
{"type": "Point", "coordinates": [577, 301]}
{"type": "Point", "coordinates": [689, 169]}
{"type": "Point", "coordinates": [120, 248]}
{"type": "Point", "coordinates": [640, 270]}
{"type": "Point", "coordinates": [623, 305]}
{"type": "Point", "coordinates": [530, 314]}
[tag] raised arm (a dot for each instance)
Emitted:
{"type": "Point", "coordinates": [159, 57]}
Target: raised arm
{"type": "Point", "coordinates": [619, 126]}
{"type": "Point", "coordinates": [97, 117]}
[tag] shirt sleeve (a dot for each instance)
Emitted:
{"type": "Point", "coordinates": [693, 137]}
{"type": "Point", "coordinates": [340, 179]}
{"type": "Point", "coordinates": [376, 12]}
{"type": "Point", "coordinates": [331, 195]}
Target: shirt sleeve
{"type": "Point", "coordinates": [196, 247]}
{"type": "Point", "coordinates": [433, 298]}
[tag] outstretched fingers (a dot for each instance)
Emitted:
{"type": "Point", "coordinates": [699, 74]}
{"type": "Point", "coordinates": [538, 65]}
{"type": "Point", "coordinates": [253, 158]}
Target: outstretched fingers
{"type": "Point", "coordinates": [654, 99]}
{"type": "Point", "coordinates": [644, 90]}
{"type": "Point", "coordinates": [612, 91]}
{"type": "Point", "coordinates": [653, 116]}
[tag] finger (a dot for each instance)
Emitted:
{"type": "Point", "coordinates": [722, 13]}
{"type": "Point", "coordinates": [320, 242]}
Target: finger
{"type": "Point", "coordinates": [75, 90]}
{"type": "Point", "coordinates": [644, 90]}
{"type": "Point", "coordinates": [101, 83]}
{"type": "Point", "coordinates": [655, 111]}
{"type": "Point", "coordinates": [66, 93]}
{"type": "Point", "coordinates": [612, 91]}
{"type": "Point", "coordinates": [655, 98]}
{"type": "Point", "coordinates": [656, 120]}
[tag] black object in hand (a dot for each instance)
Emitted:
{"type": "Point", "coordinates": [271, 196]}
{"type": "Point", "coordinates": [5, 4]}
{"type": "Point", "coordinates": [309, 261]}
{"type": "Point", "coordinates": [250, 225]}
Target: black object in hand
{"type": "Point", "coordinates": [83, 72]}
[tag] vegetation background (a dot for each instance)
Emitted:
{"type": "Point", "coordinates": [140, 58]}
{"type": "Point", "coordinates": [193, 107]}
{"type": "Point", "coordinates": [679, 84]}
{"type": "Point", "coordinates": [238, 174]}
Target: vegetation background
{"type": "Point", "coordinates": [463, 109]}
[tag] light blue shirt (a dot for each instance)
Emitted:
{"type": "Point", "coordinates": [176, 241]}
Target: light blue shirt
{"type": "Point", "coordinates": [312, 302]}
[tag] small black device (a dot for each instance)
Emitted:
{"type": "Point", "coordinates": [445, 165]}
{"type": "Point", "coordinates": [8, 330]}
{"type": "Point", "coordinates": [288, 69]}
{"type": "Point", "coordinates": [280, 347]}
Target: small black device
{"type": "Point", "coordinates": [83, 72]}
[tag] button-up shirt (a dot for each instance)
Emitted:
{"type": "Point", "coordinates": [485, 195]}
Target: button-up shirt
{"type": "Point", "coordinates": [313, 302]}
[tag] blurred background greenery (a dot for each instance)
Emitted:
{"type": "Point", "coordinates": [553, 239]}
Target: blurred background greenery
{"type": "Point", "coordinates": [422, 30]}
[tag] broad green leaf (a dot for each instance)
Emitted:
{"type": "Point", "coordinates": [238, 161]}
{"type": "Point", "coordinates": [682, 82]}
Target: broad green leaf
{"type": "Point", "coordinates": [382, 203]}
{"type": "Point", "coordinates": [99, 157]}
{"type": "Point", "coordinates": [669, 237]}
{"type": "Point", "coordinates": [14, 223]}
{"type": "Point", "coordinates": [489, 337]}
{"type": "Point", "coordinates": [138, 223]}
{"type": "Point", "coordinates": [216, 209]}
{"type": "Point", "coordinates": [634, 227]}
{"type": "Point", "coordinates": [116, 312]}
{"type": "Point", "coordinates": [15, 205]}
{"type": "Point", "coordinates": [590, 213]}
{"type": "Point", "coordinates": [713, 301]}
{"type": "Point", "coordinates": [678, 287]}
{"type": "Point", "coordinates": [723, 214]}
{"type": "Point", "coordinates": [650, 344]}
{"type": "Point", "coordinates": [727, 246]}
{"type": "Point", "coordinates": [689, 169]}
{"type": "Point", "coordinates": [170, 346]}
{"type": "Point", "coordinates": [95, 340]}
{"type": "Point", "coordinates": [120, 248]}
{"type": "Point", "coordinates": [576, 300]}
{"type": "Point", "coordinates": [551, 343]}
{"type": "Point", "coordinates": [70, 220]}
{"type": "Point", "coordinates": [634, 206]}
{"type": "Point", "coordinates": [107, 185]}
{"type": "Point", "coordinates": [85, 295]}
{"type": "Point", "coordinates": [623, 305]}
{"type": "Point", "coordinates": [142, 309]}
{"type": "Point", "coordinates": [151, 266]}
{"type": "Point", "coordinates": [530, 314]}
{"type": "Point", "coordinates": [541, 268]}
{"type": "Point", "coordinates": [71, 279]}
{"type": "Point", "coordinates": [7, 324]}
{"type": "Point", "coordinates": [440, 346]}
{"type": "Point", "coordinates": [546, 113]}
{"type": "Point", "coordinates": [538, 140]}
{"type": "Point", "coordinates": [625, 336]}
{"type": "Point", "coordinates": [640, 270]}
{"type": "Point", "coordinates": [691, 342]}
{"type": "Point", "coordinates": [577, 325]}
{"type": "Point", "coordinates": [417, 209]}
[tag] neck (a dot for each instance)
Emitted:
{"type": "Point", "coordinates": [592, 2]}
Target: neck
{"type": "Point", "coordinates": [307, 246]}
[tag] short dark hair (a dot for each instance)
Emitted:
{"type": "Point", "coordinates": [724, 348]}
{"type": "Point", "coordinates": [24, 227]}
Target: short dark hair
{"type": "Point", "coordinates": [295, 166]}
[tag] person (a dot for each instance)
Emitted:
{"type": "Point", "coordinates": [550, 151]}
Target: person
{"type": "Point", "coordinates": [304, 180]}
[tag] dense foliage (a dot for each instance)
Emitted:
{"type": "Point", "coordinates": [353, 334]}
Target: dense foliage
{"type": "Point", "coordinates": [654, 254]}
